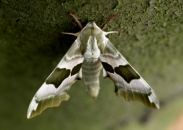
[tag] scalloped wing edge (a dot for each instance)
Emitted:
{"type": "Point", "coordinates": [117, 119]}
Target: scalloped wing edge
{"type": "Point", "coordinates": [37, 107]}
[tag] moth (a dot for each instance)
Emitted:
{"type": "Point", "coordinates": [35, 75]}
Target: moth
{"type": "Point", "coordinates": [91, 53]}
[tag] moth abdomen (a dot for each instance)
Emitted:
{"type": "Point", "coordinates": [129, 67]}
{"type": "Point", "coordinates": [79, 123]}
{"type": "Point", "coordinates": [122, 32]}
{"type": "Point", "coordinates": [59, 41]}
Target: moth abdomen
{"type": "Point", "coordinates": [91, 73]}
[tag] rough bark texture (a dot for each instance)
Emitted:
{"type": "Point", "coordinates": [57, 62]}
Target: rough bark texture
{"type": "Point", "coordinates": [31, 44]}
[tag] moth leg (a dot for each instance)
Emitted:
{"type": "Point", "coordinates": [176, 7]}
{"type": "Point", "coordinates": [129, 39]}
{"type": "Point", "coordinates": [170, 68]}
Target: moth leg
{"type": "Point", "coordinates": [104, 73]}
{"type": "Point", "coordinates": [80, 74]}
{"type": "Point", "coordinates": [73, 34]}
{"type": "Point", "coordinates": [110, 32]}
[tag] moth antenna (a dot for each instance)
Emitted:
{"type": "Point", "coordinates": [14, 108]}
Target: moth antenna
{"type": "Point", "coordinates": [76, 19]}
{"type": "Point", "coordinates": [109, 19]}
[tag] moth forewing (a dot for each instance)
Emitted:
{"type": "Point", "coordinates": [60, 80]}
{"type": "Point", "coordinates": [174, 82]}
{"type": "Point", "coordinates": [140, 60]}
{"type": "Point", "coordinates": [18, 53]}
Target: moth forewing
{"type": "Point", "coordinates": [36, 107]}
{"type": "Point", "coordinates": [129, 83]}
{"type": "Point", "coordinates": [53, 90]}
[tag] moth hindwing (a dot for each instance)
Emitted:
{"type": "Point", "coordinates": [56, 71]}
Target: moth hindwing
{"type": "Point", "coordinates": [90, 53]}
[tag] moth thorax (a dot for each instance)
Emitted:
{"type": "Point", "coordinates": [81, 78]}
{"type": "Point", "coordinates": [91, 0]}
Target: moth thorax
{"type": "Point", "coordinates": [92, 51]}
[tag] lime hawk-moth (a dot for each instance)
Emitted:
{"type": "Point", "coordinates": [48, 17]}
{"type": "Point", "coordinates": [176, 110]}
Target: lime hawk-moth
{"type": "Point", "coordinates": [91, 53]}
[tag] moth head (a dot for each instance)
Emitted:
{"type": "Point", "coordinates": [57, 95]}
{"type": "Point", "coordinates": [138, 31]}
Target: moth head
{"type": "Point", "coordinates": [92, 25]}
{"type": "Point", "coordinates": [93, 29]}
